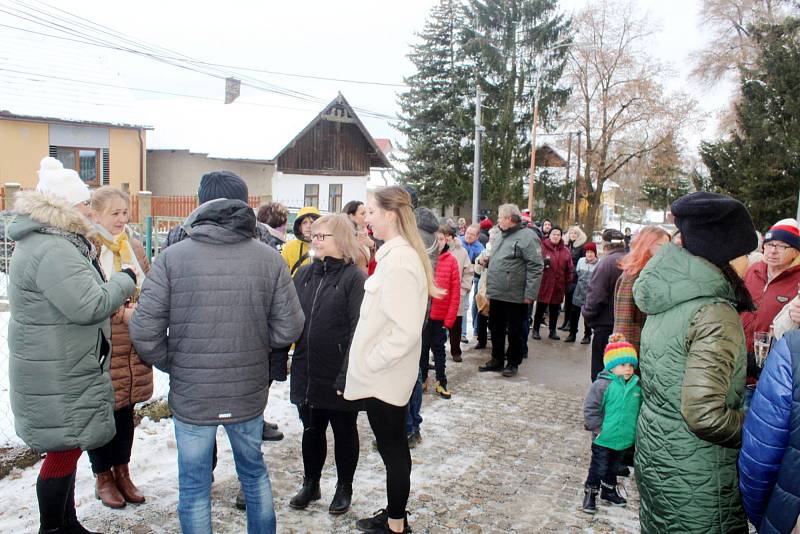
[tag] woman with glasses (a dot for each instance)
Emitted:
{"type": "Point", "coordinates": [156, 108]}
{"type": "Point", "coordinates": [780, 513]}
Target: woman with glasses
{"type": "Point", "coordinates": [772, 282]}
{"type": "Point", "coordinates": [330, 290]}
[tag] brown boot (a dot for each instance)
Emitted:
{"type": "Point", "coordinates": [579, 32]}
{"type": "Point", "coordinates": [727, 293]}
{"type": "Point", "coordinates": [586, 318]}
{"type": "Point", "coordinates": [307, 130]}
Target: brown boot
{"type": "Point", "coordinates": [125, 485]}
{"type": "Point", "coordinates": [106, 490]}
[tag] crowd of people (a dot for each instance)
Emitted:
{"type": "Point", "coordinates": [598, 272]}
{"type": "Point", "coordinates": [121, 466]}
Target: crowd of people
{"type": "Point", "coordinates": [350, 310]}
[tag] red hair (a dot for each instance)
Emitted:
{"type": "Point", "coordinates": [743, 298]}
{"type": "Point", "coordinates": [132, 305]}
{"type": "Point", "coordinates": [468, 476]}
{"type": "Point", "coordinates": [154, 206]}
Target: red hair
{"type": "Point", "coordinates": [633, 263]}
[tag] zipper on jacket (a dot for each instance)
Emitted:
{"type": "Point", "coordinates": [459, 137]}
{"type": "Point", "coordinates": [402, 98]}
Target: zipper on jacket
{"type": "Point", "coordinates": [308, 334]}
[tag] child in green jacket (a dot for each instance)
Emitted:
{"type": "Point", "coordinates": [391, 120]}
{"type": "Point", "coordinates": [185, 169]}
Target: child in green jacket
{"type": "Point", "coordinates": [610, 412]}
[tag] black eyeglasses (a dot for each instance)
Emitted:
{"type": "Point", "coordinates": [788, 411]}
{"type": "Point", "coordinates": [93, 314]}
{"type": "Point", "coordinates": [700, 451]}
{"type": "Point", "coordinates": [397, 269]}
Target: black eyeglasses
{"type": "Point", "coordinates": [320, 237]}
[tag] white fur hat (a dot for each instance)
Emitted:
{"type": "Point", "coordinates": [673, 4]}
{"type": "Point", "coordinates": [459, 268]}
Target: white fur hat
{"type": "Point", "coordinates": [64, 183]}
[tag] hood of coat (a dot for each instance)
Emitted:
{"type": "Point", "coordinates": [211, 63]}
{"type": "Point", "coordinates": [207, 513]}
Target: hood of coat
{"type": "Point", "coordinates": [674, 276]}
{"type": "Point", "coordinates": [578, 243]}
{"type": "Point", "coordinates": [221, 221]}
{"type": "Point", "coordinates": [308, 211]}
{"type": "Point", "coordinates": [37, 210]}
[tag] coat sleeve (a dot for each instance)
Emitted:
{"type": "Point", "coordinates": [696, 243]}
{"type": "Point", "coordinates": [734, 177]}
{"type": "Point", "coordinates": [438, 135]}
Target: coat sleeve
{"type": "Point", "coordinates": [714, 341]}
{"type": "Point", "coordinates": [467, 276]}
{"type": "Point", "coordinates": [355, 295]}
{"type": "Point", "coordinates": [593, 406]}
{"type": "Point", "coordinates": [405, 322]}
{"type": "Point", "coordinates": [453, 293]}
{"type": "Point", "coordinates": [68, 282]}
{"type": "Point", "coordinates": [766, 433]}
{"type": "Point", "coordinates": [783, 323]}
{"type": "Point", "coordinates": [597, 293]}
{"type": "Point", "coordinates": [569, 272]}
{"type": "Point", "coordinates": [286, 319]}
{"type": "Point", "coordinates": [148, 326]}
{"type": "Point", "coordinates": [534, 267]}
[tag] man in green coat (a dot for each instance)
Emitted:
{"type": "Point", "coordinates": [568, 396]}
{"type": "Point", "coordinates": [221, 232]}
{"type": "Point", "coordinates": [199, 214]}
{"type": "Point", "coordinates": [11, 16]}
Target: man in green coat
{"type": "Point", "coordinates": [58, 336]}
{"type": "Point", "coordinates": [692, 365]}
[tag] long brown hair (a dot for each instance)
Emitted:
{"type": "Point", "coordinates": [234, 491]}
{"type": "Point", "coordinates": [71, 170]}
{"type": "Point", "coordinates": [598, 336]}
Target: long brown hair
{"type": "Point", "coordinates": [397, 200]}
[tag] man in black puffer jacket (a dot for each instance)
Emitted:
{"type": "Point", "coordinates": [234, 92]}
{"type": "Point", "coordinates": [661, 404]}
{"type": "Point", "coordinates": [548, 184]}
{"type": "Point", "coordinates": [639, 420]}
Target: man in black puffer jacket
{"type": "Point", "coordinates": [210, 312]}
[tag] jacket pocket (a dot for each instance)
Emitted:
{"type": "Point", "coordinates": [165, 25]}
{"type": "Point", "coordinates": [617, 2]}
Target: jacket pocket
{"type": "Point", "coordinates": [102, 349]}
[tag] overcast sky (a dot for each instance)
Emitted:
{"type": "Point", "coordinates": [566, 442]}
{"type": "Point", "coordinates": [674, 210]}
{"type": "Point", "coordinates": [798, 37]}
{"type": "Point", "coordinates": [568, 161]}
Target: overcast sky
{"type": "Point", "coordinates": [349, 39]}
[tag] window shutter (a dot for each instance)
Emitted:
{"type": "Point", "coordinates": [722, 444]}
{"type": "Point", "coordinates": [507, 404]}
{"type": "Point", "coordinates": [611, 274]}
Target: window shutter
{"type": "Point", "coordinates": [105, 179]}
{"type": "Point", "coordinates": [53, 151]}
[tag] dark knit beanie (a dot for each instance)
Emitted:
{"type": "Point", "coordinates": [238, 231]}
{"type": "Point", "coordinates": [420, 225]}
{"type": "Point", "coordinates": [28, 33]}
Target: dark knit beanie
{"type": "Point", "coordinates": [715, 227]}
{"type": "Point", "coordinates": [221, 184]}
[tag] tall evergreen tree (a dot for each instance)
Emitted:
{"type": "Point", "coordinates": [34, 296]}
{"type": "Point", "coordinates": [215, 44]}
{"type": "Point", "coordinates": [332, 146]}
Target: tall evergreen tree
{"type": "Point", "coordinates": [665, 180]}
{"type": "Point", "coordinates": [436, 115]}
{"type": "Point", "coordinates": [509, 43]}
{"type": "Point", "coordinates": [760, 163]}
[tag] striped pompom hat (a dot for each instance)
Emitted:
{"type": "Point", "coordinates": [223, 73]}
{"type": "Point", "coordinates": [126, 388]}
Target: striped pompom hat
{"type": "Point", "coordinates": [619, 351]}
{"type": "Point", "coordinates": [785, 230]}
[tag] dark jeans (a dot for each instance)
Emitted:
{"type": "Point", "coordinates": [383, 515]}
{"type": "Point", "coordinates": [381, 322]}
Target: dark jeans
{"type": "Point", "coordinates": [526, 330]}
{"type": "Point", "coordinates": [507, 317]}
{"type": "Point", "coordinates": [118, 450]}
{"type": "Point", "coordinates": [388, 423]}
{"type": "Point", "coordinates": [552, 309]}
{"type": "Point", "coordinates": [455, 338]}
{"type": "Point", "coordinates": [574, 319]}
{"type": "Point", "coordinates": [315, 443]}
{"type": "Point", "coordinates": [599, 342]}
{"type": "Point", "coordinates": [568, 303]}
{"type": "Point", "coordinates": [483, 330]}
{"type": "Point", "coordinates": [603, 467]}
{"type": "Point", "coordinates": [434, 336]}
{"type": "Point", "coordinates": [414, 419]}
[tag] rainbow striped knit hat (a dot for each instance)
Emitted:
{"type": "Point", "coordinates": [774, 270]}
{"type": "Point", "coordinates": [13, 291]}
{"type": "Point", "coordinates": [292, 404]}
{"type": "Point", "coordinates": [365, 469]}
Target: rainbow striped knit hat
{"type": "Point", "coordinates": [619, 351]}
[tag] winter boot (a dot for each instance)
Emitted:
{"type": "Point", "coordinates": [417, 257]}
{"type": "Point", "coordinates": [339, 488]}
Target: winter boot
{"type": "Point", "coordinates": [491, 366]}
{"type": "Point", "coordinates": [71, 525]}
{"type": "Point", "coordinates": [414, 439]}
{"type": "Point", "coordinates": [589, 500]}
{"type": "Point", "coordinates": [341, 499]}
{"type": "Point", "coordinates": [586, 340]}
{"type": "Point", "coordinates": [554, 336]}
{"type": "Point", "coordinates": [270, 432]}
{"type": "Point", "coordinates": [570, 339]}
{"type": "Point", "coordinates": [309, 492]}
{"type": "Point", "coordinates": [441, 390]}
{"type": "Point", "coordinates": [125, 485]}
{"type": "Point", "coordinates": [535, 334]}
{"type": "Point", "coordinates": [52, 494]}
{"type": "Point", "coordinates": [610, 495]}
{"type": "Point", "coordinates": [241, 502]}
{"type": "Point", "coordinates": [105, 489]}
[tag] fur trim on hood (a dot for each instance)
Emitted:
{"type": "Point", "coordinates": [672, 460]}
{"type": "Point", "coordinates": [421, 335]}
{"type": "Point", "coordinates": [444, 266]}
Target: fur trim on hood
{"type": "Point", "coordinates": [581, 236]}
{"type": "Point", "coordinates": [54, 211]}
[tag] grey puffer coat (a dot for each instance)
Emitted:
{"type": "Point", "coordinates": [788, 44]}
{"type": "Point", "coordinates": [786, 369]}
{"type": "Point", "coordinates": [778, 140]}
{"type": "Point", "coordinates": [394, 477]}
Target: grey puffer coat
{"type": "Point", "coordinates": [59, 332]}
{"type": "Point", "coordinates": [227, 299]}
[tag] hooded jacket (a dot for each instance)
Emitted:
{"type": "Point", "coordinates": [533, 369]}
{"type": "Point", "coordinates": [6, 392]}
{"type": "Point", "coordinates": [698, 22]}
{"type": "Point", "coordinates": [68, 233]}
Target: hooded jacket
{"type": "Point", "coordinates": [515, 268]}
{"type": "Point", "coordinates": [330, 293]}
{"type": "Point", "coordinates": [296, 252]}
{"type": "Point", "coordinates": [770, 459]}
{"type": "Point", "coordinates": [447, 277]}
{"type": "Point", "coordinates": [692, 366]}
{"type": "Point", "coordinates": [557, 274]}
{"type": "Point", "coordinates": [611, 409]}
{"type": "Point", "coordinates": [209, 312]}
{"type": "Point", "coordinates": [576, 247]}
{"type": "Point", "coordinates": [59, 330]}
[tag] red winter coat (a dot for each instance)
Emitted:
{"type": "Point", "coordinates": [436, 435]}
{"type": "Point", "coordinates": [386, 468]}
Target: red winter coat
{"type": "Point", "coordinates": [768, 298]}
{"type": "Point", "coordinates": [448, 277]}
{"type": "Point", "coordinates": [557, 276]}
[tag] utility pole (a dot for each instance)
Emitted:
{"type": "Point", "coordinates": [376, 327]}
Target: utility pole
{"type": "Point", "coordinates": [532, 185]}
{"type": "Point", "coordinates": [798, 207]}
{"type": "Point", "coordinates": [577, 177]}
{"type": "Point", "coordinates": [476, 170]}
{"type": "Point", "coordinates": [569, 162]}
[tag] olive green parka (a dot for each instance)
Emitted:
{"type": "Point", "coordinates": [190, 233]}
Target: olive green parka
{"type": "Point", "coordinates": [60, 387]}
{"type": "Point", "coordinates": [692, 365]}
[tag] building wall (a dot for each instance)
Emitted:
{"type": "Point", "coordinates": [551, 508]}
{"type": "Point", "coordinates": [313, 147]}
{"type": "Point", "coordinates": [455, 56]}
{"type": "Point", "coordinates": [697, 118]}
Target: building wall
{"type": "Point", "coordinates": [124, 158]}
{"type": "Point", "coordinates": [289, 189]}
{"type": "Point", "coordinates": [22, 146]}
{"type": "Point", "coordinates": [178, 172]}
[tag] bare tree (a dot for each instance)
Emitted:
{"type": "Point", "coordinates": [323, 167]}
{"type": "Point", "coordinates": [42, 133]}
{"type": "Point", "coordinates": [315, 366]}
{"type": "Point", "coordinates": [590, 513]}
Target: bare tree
{"type": "Point", "coordinates": [617, 99]}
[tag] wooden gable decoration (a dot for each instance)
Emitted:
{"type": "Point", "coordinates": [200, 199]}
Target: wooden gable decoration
{"type": "Point", "coordinates": [334, 143]}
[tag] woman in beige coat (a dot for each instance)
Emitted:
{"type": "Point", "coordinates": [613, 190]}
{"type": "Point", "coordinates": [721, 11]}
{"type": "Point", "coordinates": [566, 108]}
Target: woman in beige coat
{"type": "Point", "coordinates": [385, 351]}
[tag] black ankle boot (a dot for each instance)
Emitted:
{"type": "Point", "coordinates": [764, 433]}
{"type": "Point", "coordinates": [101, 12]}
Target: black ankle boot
{"type": "Point", "coordinates": [52, 495]}
{"type": "Point", "coordinates": [589, 500]}
{"type": "Point", "coordinates": [71, 524]}
{"type": "Point", "coordinates": [610, 495]}
{"type": "Point", "coordinates": [309, 492]}
{"type": "Point", "coordinates": [341, 499]}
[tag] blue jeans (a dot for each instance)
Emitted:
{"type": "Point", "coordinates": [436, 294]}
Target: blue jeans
{"type": "Point", "coordinates": [195, 445]}
{"type": "Point", "coordinates": [414, 419]}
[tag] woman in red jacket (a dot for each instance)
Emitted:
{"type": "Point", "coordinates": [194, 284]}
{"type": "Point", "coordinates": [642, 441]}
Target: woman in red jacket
{"type": "Point", "coordinates": [443, 314]}
{"type": "Point", "coordinates": [555, 278]}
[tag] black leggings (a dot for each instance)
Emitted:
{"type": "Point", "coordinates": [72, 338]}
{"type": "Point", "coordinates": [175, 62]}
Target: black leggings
{"type": "Point", "coordinates": [552, 309]}
{"type": "Point", "coordinates": [388, 423]}
{"type": "Point", "coordinates": [599, 342]}
{"type": "Point", "coordinates": [315, 443]}
{"type": "Point", "coordinates": [118, 450]}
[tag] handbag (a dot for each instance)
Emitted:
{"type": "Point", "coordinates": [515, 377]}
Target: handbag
{"type": "Point", "coordinates": [481, 300]}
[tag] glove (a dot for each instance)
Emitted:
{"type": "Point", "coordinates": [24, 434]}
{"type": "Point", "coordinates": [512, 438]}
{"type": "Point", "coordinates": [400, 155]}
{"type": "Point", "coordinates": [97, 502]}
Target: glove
{"type": "Point", "coordinates": [278, 364]}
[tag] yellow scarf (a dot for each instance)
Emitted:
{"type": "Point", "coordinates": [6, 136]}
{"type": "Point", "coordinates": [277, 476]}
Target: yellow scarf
{"type": "Point", "coordinates": [121, 250]}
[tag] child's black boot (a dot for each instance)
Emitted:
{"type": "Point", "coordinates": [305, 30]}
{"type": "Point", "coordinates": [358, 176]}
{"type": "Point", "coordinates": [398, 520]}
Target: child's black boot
{"type": "Point", "coordinates": [609, 494]}
{"type": "Point", "coordinates": [590, 499]}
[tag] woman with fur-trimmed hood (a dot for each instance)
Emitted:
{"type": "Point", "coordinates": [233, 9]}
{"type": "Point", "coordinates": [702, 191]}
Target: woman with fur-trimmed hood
{"type": "Point", "coordinates": [59, 336]}
{"type": "Point", "coordinates": [576, 238]}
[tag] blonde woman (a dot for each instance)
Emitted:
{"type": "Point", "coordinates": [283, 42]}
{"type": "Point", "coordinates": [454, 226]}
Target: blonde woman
{"type": "Point", "coordinates": [132, 379]}
{"type": "Point", "coordinates": [384, 362]}
{"type": "Point", "coordinates": [330, 290]}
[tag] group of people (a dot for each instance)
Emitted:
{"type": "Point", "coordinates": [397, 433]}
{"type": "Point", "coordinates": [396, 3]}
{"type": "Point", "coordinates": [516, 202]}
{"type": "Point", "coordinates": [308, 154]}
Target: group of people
{"type": "Point", "coordinates": [360, 300]}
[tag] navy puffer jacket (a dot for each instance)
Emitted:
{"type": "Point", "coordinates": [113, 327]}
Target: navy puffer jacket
{"type": "Point", "coordinates": [769, 462]}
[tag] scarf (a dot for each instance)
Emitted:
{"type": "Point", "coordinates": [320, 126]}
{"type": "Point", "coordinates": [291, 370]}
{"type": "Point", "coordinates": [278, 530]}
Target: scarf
{"type": "Point", "coordinates": [121, 248]}
{"type": "Point", "coordinates": [84, 246]}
